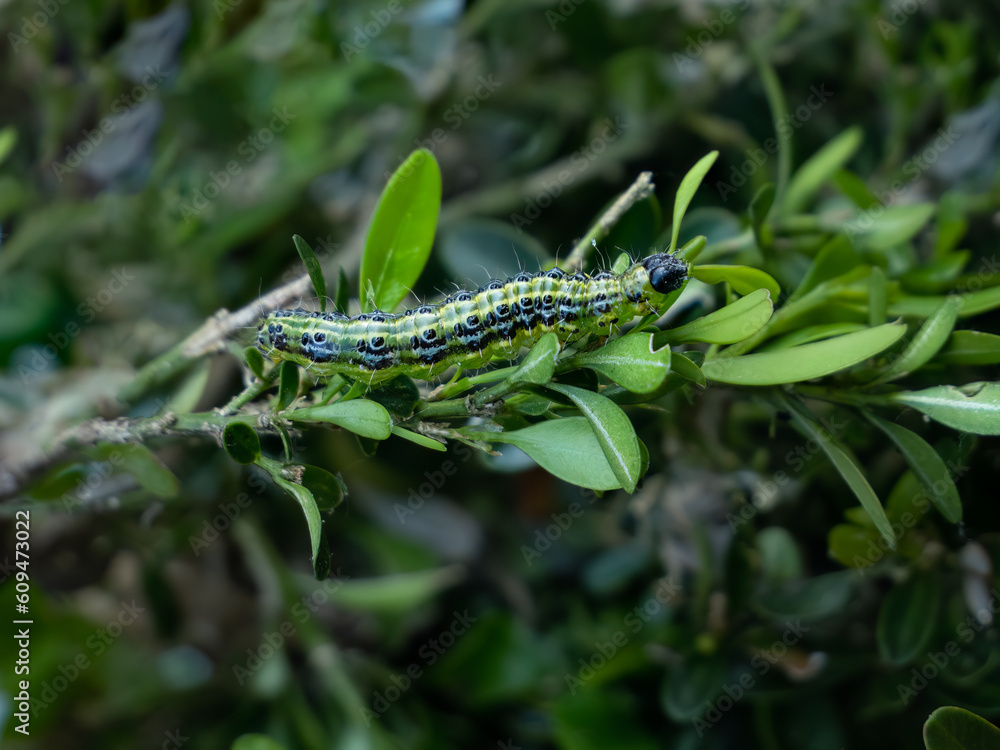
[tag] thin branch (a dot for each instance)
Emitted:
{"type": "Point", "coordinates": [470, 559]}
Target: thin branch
{"type": "Point", "coordinates": [641, 189]}
{"type": "Point", "coordinates": [119, 431]}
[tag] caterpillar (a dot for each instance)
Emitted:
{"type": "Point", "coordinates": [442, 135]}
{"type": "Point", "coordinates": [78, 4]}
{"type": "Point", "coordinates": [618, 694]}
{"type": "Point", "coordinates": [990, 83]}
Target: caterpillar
{"type": "Point", "coordinates": [469, 328]}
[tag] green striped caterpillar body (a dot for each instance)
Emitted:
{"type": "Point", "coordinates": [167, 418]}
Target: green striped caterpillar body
{"type": "Point", "coordinates": [469, 328]}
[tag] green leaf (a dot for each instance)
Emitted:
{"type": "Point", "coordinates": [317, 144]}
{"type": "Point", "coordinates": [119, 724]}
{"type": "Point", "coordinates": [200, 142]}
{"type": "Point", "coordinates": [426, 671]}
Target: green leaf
{"type": "Point", "coordinates": [734, 322]}
{"type": "Point", "coordinates": [877, 295]}
{"type": "Point", "coordinates": [855, 188]}
{"type": "Point", "coordinates": [537, 368]}
{"type": "Point", "coordinates": [973, 303]}
{"type": "Point", "coordinates": [845, 465]}
{"type": "Point", "coordinates": [883, 227]}
{"type": "Point", "coordinates": [691, 249]}
{"type": "Point", "coordinates": [241, 442]}
{"type": "Point", "coordinates": [927, 466]}
{"type": "Point", "coordinates": [907, 618]}
{"type": "Point", "coordinates": [402, 232]}
{"type": "Point", "coordinates": [400, 395]}
{"type": "Point", "coordinates": [396, 594]}
{"type": "Point", "coordinates": [743, 279]}
{"type": "Point", "coordinates": [687, 369]}
{"type": "Point", "coordinates": [361, 416]}
{"type": "Point", "coordinates": [139, 461]}
{"type": "Point", "coordinates": [342, 297]}
{"type": "Point", "coordinates": [809, 334]}
{"type": "Point", "coordinates": [685, 192]}
{"type": "Point", "coordinates": [621, 264]}
{"type": "Point", "coordinates": [328, 489]}
{"type": "Point", "coordinates": [597, 718]}
{"type": "Point", "coordinates": [288, 385]}
{"type": "Point", "coordinates": [972, 408]}
{"type": "Point", "coordinates": [308, 504]}
{"type": "Point", "coordinates": [951, 223]}
{"type": "Point", "coordinates": [255, 742]}
{"type": "Point", "coordinates": [926, 343]}
{"type": "Point", "coordinates": [421, 440]}
{"type": "Point", "coordinates": [951, 728]}
{"type": "Point", "coordinates": [566, 448]}
{"type": "Point", "coordinates": [970, 348]}
{"type": "Point", "coordinates": [313, 268]}
{"type": "Point", "coordinates": [692, 686]}
{"type": "Point", "coordinates": [834, 259]}
{"type": "Point", "coordinates": [803, 362]}
{"type": "Point", "coordinates": [813, 598]}
{"type": "Point", "coordinates": [192, 388]}
{"type": "Point", "coordinates": [630, 361]}
{"type": "Point", "coordinates": [760, 206]}
{"type": "Point", "coordinates": [852, 545]}
{"type": "Point", "coordinates": [255, 361]}
{"type": "Point", "coordinates": [613, 429]}
{"type": "Point", "coordinates": [820, 168]}
{"type": "Point", "coordinates": [8, 139]}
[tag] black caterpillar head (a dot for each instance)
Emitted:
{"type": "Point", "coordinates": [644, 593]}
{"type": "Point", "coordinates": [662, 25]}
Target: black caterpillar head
{"type": "Point", "coordinates": [666, 272]}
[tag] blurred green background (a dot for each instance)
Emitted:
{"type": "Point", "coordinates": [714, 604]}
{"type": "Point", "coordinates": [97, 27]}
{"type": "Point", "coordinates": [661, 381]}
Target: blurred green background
{"type": "Point", "coordinates": [155, 161]}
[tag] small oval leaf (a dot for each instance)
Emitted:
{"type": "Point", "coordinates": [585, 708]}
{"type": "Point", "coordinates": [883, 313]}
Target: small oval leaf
{"type": "Point", "coordinates": [613, 429]}
{"type": "Point", "coordinates": [361, 416]}
{"type": "Point", "coordinates": [951, 728]}
{"type": "Point", "coordinates": [631, 361]}
{"type": "Point", "coordinates": [255, 361]}
{"type": "Point", "coordinates": [566, 448]}
{"type": "Point", "coordinates": [241, 442]}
